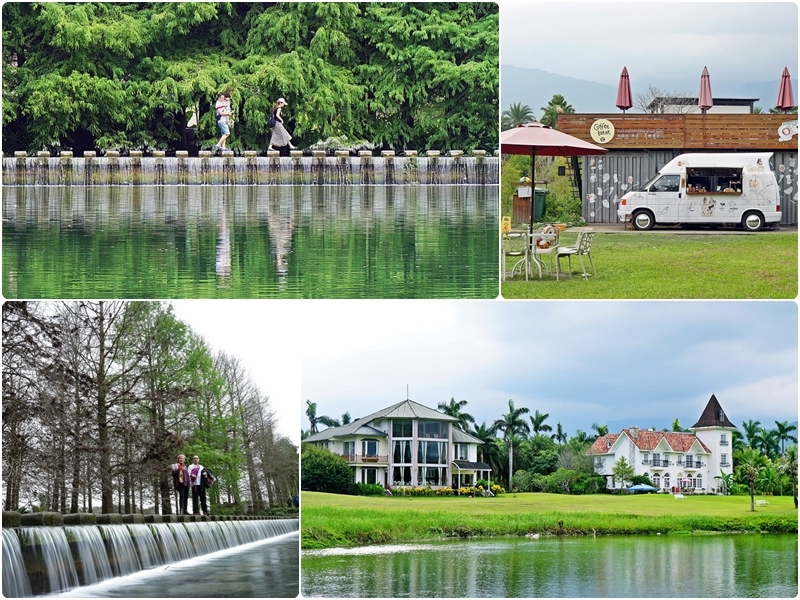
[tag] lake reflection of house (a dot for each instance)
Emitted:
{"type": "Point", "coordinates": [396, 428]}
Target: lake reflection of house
{"type": "Point", "coordinates": [406, 444]}
{"type": "Point", "coordinates": [672, 460]}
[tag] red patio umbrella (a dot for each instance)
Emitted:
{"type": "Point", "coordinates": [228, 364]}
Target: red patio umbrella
{"type": "Point", "coordinates": [785, 99]}
{"type": "Point", "coordinates": [706, 99]}
{"type": "Point", "coordinates": [536, 138]}
{"type": "Point", "coordinates": [624, 101]}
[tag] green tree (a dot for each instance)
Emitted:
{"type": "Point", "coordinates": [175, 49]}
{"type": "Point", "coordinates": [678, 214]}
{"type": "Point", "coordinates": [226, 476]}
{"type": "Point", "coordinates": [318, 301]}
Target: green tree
{"type": "Point", "coordinates": [600, 430]}
{"type": "Point", "coordinates": [622, 471]}
{"type": "Point", "coordinates": [538, 424]}
{"type": "Point", "coordinates": [749, 464]}
{"type": "Point", "coordinates": [555, 107]}
{"type": "Point", "coordinates": [488, 451]}
{"type": "Point", "coordinates": [560, 436]}
{"type": "Point", "coordinates": [456, 410]}
{"type": "Point", "coordinates": [726, 481]}
{"type": "Point", "coordinates": [314, 419]}
{"type": "Point", "coordinates": [512, 423]}
{"type": "Point", "coordinates": [752, 432]}
{"type": "Point", "coordinates": [323, 471]}
{"type": "Point", "coordinates": [788, 466]}
{"type": "Point", "coordinates": [784, 434]}
{"type": "Point", "coordinates": [517, 114]}
{"type": "Point", "coordinates": [130, 75]}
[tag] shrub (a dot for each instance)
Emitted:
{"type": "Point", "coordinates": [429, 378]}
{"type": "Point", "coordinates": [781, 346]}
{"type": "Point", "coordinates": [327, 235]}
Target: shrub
{"type": "Point", "coordinates": [323, 471]}
{"type": "Point", "coordinates": [483, 484]}
{"type": "Point", "coordinates": [365, 489]}
{"type": "Point", "coordinates": [497, 490]}
{"type": "Point", "coordinates": [444, 491]}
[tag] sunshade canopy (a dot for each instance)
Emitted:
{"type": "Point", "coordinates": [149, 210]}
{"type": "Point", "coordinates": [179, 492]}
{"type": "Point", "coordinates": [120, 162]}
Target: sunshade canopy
{"type": "Point", "coordinates": [785, 94]}
{"type": "Point", "coordinates": [624, 100]}
{"type": "Point", "coordinates": [536, 138]}
{"type": "Point", "coordinates": [706, 100]}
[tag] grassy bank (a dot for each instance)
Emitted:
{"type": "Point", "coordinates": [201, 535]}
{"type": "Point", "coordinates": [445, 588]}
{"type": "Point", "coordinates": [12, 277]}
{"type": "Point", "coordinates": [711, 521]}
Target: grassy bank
{"type": "Point", "coordinates": [662, 264]}
{"type": "Point", "coordinates": [330, 520]}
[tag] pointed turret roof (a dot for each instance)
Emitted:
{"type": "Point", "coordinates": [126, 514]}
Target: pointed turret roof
{"type": "Point", "coordinates": [713, 416]}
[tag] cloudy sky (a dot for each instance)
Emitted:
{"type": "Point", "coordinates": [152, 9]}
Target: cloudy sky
{"type": "Point", "coordinates": [636, 363]}
{"type": "Point", "coordinates": [657, 41]}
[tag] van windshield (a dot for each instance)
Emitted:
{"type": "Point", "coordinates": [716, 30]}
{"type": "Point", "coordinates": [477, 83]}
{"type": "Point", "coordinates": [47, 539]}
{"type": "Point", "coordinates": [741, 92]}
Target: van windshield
{"type": "Point", "coordinates": [644, 186]}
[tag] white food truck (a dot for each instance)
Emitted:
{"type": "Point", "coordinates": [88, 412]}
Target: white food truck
{"type": "Point", "coordinates": [707, 188]}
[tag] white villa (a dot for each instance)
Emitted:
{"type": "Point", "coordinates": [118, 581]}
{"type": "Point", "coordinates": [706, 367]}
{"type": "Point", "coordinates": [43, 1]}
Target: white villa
{"type": "Point", "coordinates": [672, 461]}
{"type": "Point", "coordinates": [406, 444]}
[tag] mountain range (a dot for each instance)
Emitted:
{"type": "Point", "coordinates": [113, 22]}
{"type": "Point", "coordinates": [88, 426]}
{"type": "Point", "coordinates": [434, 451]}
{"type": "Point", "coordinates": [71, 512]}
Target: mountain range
{"type": "Point", "coordinates": [535, 88]}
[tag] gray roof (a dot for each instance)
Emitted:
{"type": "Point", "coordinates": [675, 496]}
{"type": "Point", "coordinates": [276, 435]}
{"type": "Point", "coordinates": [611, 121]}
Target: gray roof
{"type": "Point", "coordinates": [465, 464]}
{"type": "Point", "coordinates": [407, 409]}
{"type": "Point", "coordinates": [461, 437]}
{"type": "Point", "coordinates": [345, 430]}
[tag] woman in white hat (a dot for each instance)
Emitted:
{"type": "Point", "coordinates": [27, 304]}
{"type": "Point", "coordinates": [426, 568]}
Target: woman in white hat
{"type": "Point", "coordinates": [280, 137]}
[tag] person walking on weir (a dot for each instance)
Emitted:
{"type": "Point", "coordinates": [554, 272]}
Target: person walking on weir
{"type": "Point", "coordinates": [180, 480]}
{"type": "Point", "coordinates": [223, 112]}
{"type": "Point", "coordinates": [280, 137]}
{"type": "Point", "coordinates": [198, 487]}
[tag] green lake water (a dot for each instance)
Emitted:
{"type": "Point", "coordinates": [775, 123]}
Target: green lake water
{"type": "Point", "coordinates": [707, 566]}
{"type": "Point", "coordinates": [234, 241]}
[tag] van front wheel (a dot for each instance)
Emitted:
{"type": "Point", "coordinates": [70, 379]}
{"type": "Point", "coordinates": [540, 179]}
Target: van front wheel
{"type": "Point", "coordinates": [753, 221]}
{"type": "Point", "coordinates": [643, 220]}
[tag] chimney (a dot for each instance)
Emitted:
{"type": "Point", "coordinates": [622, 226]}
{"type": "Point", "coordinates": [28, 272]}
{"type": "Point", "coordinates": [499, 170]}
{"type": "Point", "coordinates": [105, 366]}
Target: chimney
{"type": "Point", "coordinates": [634, 432]}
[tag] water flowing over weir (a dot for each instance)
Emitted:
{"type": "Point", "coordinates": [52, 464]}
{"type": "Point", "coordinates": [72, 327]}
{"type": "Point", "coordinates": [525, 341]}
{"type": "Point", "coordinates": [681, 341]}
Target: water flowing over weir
{"type": "Point", "coordinates": [44, 560]}
{"type": "Point", "coordinates": [250, 169]}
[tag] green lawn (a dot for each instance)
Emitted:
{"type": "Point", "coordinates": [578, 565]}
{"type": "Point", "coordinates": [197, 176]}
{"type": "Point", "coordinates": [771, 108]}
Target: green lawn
{"type": "Point", "coordinates": [339, 520]}
{"type": "Point", "coordinates": [663, 264]}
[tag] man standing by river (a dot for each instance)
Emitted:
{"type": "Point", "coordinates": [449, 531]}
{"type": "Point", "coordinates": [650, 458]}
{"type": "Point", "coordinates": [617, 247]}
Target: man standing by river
{"type": "Point", "coordinates": [198, 487]}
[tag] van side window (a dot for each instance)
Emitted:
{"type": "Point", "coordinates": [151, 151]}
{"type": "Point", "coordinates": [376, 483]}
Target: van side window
{"type": "Point", "coordinates": [713, 180]}
{"type": "Point", "coordinates": [667, 183]}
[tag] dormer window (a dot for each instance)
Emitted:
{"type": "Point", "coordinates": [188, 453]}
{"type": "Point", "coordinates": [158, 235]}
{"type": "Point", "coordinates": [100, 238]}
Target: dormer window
{"type": "Point", "coordinates": [608, 443]}
{"type": "Point", "coordinates": [720, 416]}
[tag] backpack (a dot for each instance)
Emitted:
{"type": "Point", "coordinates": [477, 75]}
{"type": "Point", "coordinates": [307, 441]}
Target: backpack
{"type": "Point", "coordinates": [208, 478]}
{"type": "Point", "coordinates": [273, 120]}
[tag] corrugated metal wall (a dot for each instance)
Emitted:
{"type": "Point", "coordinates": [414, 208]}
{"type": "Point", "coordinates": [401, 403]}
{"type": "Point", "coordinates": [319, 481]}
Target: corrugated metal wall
{"type": "Point", "coordinates": [607, 178]}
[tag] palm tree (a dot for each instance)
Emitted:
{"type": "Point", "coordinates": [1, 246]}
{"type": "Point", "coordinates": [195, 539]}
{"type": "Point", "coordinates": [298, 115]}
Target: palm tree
{"type": "Point", "coordinates": [726, 479]}
{"type": "Point", "coordinates": [516, 115]}
{"type": "Point", "coordinates": [752, 430]}
{"type": "Point", "coordinates": [788, 465]}
{"type": "Point", "coordinates": [313, 419]}
{"type": "Point", "coordinates": [512, 423]}
{"type": "Point", "coordinates": [784, 430]}
{"type": "Point", "coordinates": [737, 441]}
{"type": "Point", "coordinates": [676, 426]}
{"type": "Point", "coordinates": [555, 107]}
{"type": "Point", "coordinates": [768, 479]}
{"type": "Point", "coordinates": [768, 442]}
{"type": "Point", "coordinates": [538, 422]}
{"type": "Point", "coordinates": [455, 410]}
{"type": "Point", "coordinates": [486, 434]}
{"type": "Point", "coordinates": [346, 418]}
{"type": "Point", "coordinates": [560, 436]}
{"type": "Point", "coordinates": [601, 430]}
{"type": "Point", "coordinates": [750, 463]}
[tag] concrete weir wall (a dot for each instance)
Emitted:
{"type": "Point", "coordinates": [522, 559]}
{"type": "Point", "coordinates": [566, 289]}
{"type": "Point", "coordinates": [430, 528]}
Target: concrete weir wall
{"type": "Point", "coordinates": [454, 168]}
{"type": "Point", "coordinates": [47, 553]}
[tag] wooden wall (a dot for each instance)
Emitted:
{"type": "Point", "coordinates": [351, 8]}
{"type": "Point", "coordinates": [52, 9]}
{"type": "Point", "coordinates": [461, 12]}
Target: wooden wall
{"type": "Point", "coordinates": [690, 132]}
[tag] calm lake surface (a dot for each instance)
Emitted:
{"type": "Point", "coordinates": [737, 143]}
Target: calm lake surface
{"type": "Point", "coordinates": [237, 241]}
{"type": "Point", "coordinates": [718, 566]}
{"type": "Point", "coordinates": [267, 569]}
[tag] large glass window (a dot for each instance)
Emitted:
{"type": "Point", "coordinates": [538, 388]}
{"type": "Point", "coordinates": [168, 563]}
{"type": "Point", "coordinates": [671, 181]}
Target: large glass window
{"type": "Point", "coordinates": [401, 476]}
{"type": "Point", "coordinates": [369, 447]}
{"type": "Point", "coordinates": [432, 429]}
{"type": "Point", "coordinates": [462, 452]}
{"type": "Point", "coordinates": [431, 476]}
{"type": "Point", "coordinates": [432, 453]}
{"type": "Point", "coordinates": [656, 480]}
{"type": "Point", "coordinates": [401, 451]}
{"type": "Point", "coordinates": [401, 428]}
{"type": "Point", "coordinates": [369, 475]}
{"type": "Point", "coordinates": [349, 450]}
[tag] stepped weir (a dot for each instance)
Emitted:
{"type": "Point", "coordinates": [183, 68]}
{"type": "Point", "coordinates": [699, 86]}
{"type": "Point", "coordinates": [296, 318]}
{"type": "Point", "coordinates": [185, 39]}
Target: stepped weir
{"type": "Point", "coordinates": [454, 168]}
{"type": "Point", "coordinates": [55, 556]}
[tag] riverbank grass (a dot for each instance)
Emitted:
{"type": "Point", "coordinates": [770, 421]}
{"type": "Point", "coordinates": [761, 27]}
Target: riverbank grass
{"type": "Point", "coordinates": [332, 520]}
{"type": "Point", "coordinates": [675, 265]}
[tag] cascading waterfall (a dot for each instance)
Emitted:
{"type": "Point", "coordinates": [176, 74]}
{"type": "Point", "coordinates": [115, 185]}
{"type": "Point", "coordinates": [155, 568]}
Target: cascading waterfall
{"type": "Point", "coordinates": [251, 170]}
{"type": "Point", "coordinates": [44, 560]}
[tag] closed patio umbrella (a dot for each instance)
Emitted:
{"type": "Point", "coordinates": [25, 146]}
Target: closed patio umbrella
{"type": "Point", "coordinates": [706, 100]}
{"type": "Point", "coordinates": [624, 101]}
{"type": "Point", "coordinates": [785, 99]}
{"type": "Point", "coordinates": [535, 138]}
